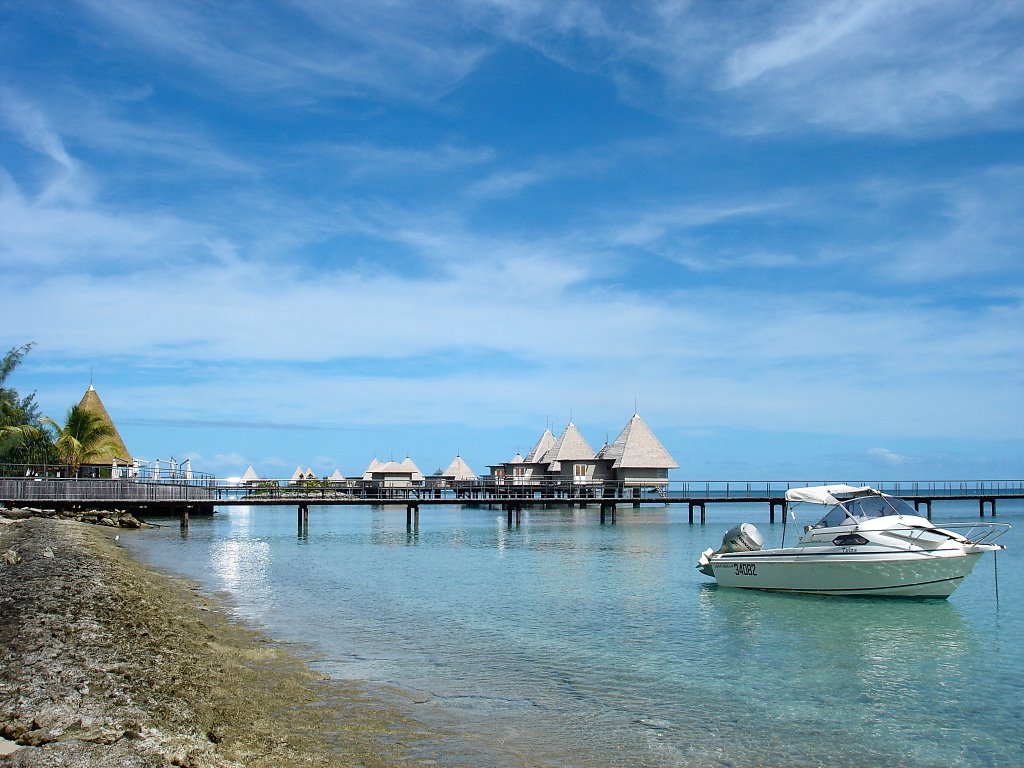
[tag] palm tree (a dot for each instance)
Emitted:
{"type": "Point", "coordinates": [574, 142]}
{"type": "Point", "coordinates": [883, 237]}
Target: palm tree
{"type": "Point", "coordinates": [84, 435]}
{"type": "Point", "coordinates": [19, 416]}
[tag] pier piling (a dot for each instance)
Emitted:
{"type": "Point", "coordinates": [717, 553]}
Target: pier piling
{"type": "Point", "coordinates": [927, 503]}
{"type": "Point", "coordinates": [703, 513]}
{"type": "Point", "coordinates": [607, 508]}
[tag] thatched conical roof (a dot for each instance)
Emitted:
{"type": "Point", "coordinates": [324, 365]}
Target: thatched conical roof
{"type": "Point", "coordinates": [458, 470]}
{"type": "Point", "coordinates": [411, 465]}
{"type": "Point", "coordinates": [570, 446]}
{"type": "Point", "coordinates": [372, 467]}
{"type": "Point", "coordinates": [637, 447]}
{"type": "Point", "coordinates": [91, 403]}
{"type": "Point", "coordinates": [542, 446]}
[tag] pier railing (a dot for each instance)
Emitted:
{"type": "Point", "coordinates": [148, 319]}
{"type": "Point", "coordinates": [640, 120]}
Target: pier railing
{"type": "Point", "coordinates": [207, 489]}
{"type": "Point", "coordinates": [706, 490]}
{"type": "Point", "coordinates": [739, 490]}
{"type": "Point", "coordinates": [22, 490]}
{"type": "Point", "coordinates": [158, 471]}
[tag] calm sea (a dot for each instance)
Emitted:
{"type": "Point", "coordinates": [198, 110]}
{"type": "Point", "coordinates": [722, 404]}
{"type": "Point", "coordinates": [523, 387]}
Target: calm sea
{"type": "Point", "coordinates": [563, 642]}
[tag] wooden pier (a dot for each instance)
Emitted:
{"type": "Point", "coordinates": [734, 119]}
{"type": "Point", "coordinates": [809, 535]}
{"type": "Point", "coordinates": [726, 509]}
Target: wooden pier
{"type": "Point", "coordinates": [202, 497]}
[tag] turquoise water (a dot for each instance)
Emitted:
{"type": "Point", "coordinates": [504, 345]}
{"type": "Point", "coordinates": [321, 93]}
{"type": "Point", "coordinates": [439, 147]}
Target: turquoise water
{"type": "Point", "coordinates": [563, 642]}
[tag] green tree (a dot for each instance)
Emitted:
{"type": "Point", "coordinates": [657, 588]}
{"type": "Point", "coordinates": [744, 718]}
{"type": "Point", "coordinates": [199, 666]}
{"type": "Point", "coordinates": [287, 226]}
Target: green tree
{"type": "Point", "coordinates": [20, 420]}
{"type": "Point", "coordinates": [83, 436]}
{"type": "Point", "coordinates": [35, 449]}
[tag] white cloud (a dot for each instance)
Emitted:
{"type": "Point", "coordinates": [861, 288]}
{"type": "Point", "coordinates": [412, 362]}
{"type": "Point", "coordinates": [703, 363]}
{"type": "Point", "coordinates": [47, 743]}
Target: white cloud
{"type": "Point", "coordinates": [883, 67]}
{"type": "Point", "coordinates": [829, 25]}
{"type": "Point", "coordinates": [401, 48]}
{"type": "Point", "coordinates": [886, 456]}
{"type": "Point", "coordinates": [366, 159]}
{"type": "Point", "coordinates": [52, 232]}
{"type": "Point", "coordinates": [504, 184]}
{"type": "Point", "coordinates": [64, 180]}
{"type": "Point", "coordinates": [981, 228]}
{"type": "Point", "coordinates": [851, 65]}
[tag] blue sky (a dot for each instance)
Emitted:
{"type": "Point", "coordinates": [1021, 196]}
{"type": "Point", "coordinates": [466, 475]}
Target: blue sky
{"type": "Point", "coordinates": [789, 233]}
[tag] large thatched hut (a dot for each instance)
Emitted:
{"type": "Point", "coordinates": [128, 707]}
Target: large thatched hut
{"type": "Point", "coordinates": [102, 461]}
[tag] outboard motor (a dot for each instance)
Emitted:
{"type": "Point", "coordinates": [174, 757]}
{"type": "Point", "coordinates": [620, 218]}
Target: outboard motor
{"type": "Point", "coordinates": [742, 538]}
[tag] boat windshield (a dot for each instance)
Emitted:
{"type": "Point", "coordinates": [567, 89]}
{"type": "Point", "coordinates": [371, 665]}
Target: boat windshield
{"type": "Point", "coordinates": [864, 508]}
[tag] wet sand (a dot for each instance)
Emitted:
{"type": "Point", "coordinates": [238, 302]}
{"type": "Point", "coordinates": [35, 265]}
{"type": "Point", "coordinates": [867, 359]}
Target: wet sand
{"type": "Point", "coordinates": [106, 661]}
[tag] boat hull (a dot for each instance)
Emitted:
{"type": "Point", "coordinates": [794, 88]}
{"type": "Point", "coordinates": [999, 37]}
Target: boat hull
{"type": "Point", "coordinates": [895, 574]}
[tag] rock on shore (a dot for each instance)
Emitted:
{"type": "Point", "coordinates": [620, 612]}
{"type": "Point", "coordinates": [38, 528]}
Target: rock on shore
{"type": "Point", "coordinates": [107, 662]}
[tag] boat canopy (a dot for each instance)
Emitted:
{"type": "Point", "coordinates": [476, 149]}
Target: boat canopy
{"type": "Point", "coordinates": [861, 508]}
{"type": "Point", "coordinates": [827, 494]}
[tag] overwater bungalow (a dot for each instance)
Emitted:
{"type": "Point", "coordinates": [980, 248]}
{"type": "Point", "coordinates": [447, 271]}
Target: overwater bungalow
{"type": "Point", "coordinates": [300, 476]}
{"type": "Point", "coordinates": [525, 471]}
{"type": "Point", "coordinates": [458, 471]}
{"type": "Point", "coordinates": [571, 459]}
{"type": "Point", "coordinates": [393, 474]}
{"type": "Point", "coordinates": [636, 458]}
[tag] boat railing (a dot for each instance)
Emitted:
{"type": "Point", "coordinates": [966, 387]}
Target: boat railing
{"type": "Point", "coordinates": [976, 533]}
{"type": "Point", "coordinates": [979, 533]}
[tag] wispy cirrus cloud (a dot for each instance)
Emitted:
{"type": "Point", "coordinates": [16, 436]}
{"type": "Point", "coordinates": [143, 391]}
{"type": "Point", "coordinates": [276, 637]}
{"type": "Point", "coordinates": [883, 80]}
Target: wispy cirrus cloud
{"type": "Point", "coordinates": [872, 67]}
{"type": "Point", "coordinates": [375, 160]}
{"type": "Point", "coordinates": [979, 225]}
{"type": "Point", "coordinates": [882, 67]}
{"type": "Point", "coordinates": [405, 49]}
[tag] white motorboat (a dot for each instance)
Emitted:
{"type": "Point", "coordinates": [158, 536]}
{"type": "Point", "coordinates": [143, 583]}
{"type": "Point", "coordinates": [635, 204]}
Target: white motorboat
{"type": "Point", "coordinates": [866, 543]}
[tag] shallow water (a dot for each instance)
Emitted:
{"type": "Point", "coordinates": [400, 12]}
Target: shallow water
{"type": "Point", "coordinates": [563, 642]}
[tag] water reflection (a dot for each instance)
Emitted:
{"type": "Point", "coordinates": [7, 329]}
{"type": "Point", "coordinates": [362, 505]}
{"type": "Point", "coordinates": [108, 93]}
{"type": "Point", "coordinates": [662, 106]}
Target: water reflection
{"type": "Point", "coordinates": [872, 650]}
{"type": "Point", "coordinates": [873, 628]}
{"type": "Point", "coordinates": [241, 564]}
{"type": "Point", "coordinates": [591, 645]}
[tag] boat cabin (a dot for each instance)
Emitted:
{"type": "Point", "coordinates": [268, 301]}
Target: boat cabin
{"type": "Point", "coordinates": [862, 508]}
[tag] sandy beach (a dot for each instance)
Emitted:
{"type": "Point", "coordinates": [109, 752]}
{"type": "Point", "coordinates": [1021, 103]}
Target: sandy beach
{"type": "Point", "coordinates": [109, 662]}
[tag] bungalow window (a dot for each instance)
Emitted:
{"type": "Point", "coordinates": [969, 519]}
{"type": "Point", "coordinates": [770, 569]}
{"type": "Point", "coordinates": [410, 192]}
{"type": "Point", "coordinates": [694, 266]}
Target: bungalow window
{"type": "Point", "coordinates": [580, 470]}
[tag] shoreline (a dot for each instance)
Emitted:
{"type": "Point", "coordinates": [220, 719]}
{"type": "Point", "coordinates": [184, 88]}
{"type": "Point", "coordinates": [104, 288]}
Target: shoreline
{"type": "Point", "coordinates": [108, 661]}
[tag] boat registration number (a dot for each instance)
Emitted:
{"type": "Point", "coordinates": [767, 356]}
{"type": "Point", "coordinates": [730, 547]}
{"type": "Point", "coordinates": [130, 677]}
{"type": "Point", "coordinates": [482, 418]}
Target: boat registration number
{"type": "Point", "coordinates": [746, 569]}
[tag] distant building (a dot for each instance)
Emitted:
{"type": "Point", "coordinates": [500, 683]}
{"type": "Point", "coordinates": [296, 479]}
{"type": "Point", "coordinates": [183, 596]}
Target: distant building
{"type": "Point", "coordinates": [299, 476]}
{"type": "Point", "coordinates": [457, 472]}
{"type": "Point", "coordinates": [571, 459]}
{"type": "Point", "coordinates": [102, 462]}
{"type": "Point", "coordinates": [393, 474]}
{"type": "Point", "coordinates": [636, 458]}
{"type": "Point", "coordinates": [532, 469]}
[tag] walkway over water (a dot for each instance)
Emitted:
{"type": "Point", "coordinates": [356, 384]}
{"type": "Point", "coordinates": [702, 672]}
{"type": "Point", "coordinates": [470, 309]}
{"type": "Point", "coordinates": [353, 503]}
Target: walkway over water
{"type": "Point", "coordinates": [201, 496]}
